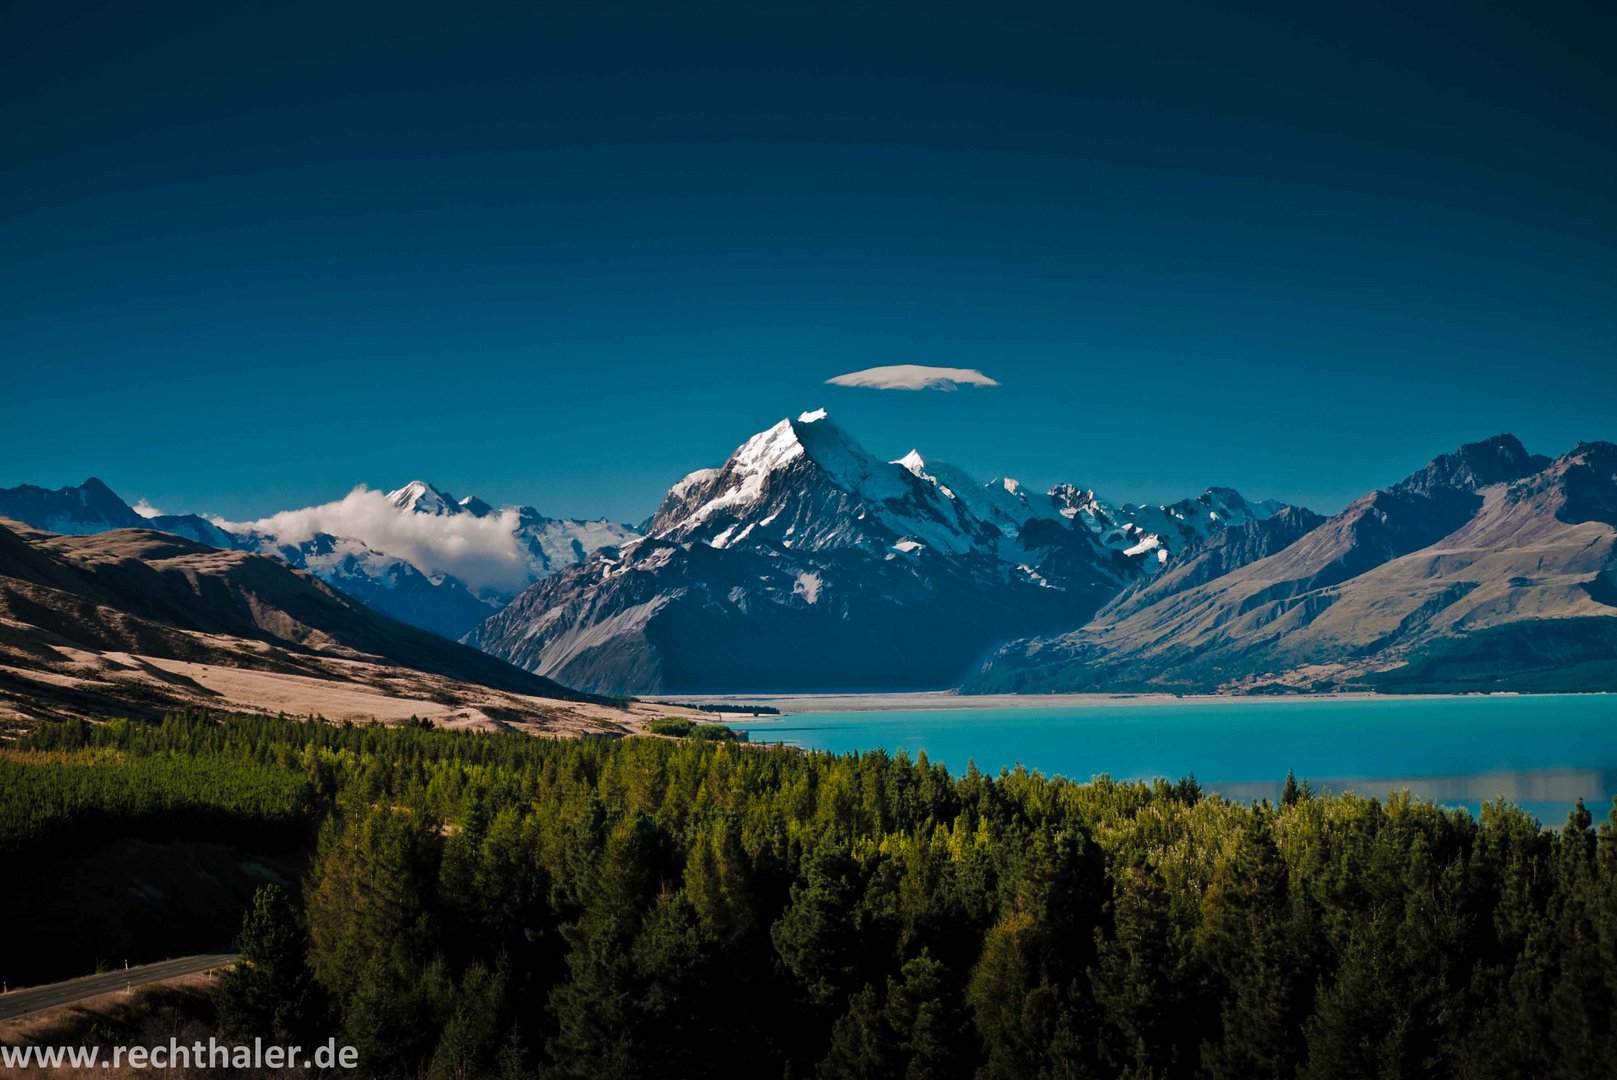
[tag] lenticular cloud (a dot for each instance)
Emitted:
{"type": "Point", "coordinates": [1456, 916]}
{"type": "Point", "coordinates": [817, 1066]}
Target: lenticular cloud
{"type": "Point", "coordinates": [913, 377]}
{"type": "Point", "coordinates": [483, 552]}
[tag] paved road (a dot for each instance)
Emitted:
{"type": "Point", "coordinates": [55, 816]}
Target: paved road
{"type": "Point", "coordinates": [31, 999]}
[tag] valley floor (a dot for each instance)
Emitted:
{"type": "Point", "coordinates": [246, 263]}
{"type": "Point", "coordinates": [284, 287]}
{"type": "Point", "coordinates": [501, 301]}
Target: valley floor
{"type": "Point", "coordinates": [337, 689]}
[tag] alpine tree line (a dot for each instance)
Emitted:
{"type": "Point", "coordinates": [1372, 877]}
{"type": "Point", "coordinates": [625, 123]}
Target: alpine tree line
{"type": "Point", "coordinates": [496, 905]}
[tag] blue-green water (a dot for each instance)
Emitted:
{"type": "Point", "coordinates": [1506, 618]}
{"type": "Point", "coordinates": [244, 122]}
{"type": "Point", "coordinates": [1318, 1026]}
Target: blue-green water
{"type": "Point", "coordinates": [1540, 752]}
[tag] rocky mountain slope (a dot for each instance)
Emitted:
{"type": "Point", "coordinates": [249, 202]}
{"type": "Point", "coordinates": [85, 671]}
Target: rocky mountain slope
{"type": "Point", "coordinates": [138, 622]}
{"type": "Point", "coordinates": [1489, 568]}
{"type": "Point", "coordinates": [806, 563]}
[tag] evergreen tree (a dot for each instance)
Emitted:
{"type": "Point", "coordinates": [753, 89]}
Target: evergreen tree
{"type": "Point", "coordinates": [1259, 984]}
{"type": "Point", "coordinates": [270, 992]}
{"type": "Point", "coordinates": [1139, 982]}
{"type": "Point", "coordinates": [474, 1043]}
{"type": "Point", "coordinates": [818, 937]}
{"type": "Point", "coordinates": [914, 1029]}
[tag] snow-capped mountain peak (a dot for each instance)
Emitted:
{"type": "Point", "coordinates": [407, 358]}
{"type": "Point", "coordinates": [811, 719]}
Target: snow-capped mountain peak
{"type": "Point", "coordinates": [748, 471]}
{"type": "Point", "coordinates": [851, 466]}
{"type": "Point", "coordinates": [423, 498]}
{"type": "Point", "coordinates": [805, 484]}
{"type": "Point", "coordinates": [875, 572]}
{"type": "Point", "coordinates": [914, 462]}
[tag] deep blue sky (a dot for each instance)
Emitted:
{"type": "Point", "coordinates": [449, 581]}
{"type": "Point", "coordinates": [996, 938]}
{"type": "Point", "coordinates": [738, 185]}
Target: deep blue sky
{"type": "Point", "coordinates": [251, 257]}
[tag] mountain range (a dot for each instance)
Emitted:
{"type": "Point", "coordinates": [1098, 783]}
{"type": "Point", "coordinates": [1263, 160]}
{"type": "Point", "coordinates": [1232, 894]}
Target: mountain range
{"type": "Point", "coordinates": [805, 563]}
{"type": "Point", "coordinates": [1490, 568]}
{"type": "Point", "coordinates": [376, 561]}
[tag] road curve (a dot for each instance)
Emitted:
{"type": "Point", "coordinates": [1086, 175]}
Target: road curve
{"type": "Point", "coordinates": [21, 1002]}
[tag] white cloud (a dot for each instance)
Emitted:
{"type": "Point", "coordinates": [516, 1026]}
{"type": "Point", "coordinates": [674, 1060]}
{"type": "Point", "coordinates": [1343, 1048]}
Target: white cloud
{"type": "Point", "coordinates": [913, 377]}
{"type": "Point", "coordinates": [146, 509]}
{"type": "Point", "coordinates": [483, 552]}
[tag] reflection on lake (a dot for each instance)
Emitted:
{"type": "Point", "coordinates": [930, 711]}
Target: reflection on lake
{"type": "Point", "coordinates": [1555, 790]}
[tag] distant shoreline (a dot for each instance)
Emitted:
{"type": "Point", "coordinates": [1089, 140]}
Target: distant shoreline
{"type": "Point", "coordinates": [916, 701]}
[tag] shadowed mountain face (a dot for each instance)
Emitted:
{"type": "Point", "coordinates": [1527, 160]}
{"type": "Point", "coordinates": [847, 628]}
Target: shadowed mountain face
{"type": "Point", "coordinates": [91, 507]}
{"type": "Point", "coordinates": [806, 563]}
{"type": "Point", "coordinates": [138, 621]}
{"type": "Point", "coordinates": [383, 582]}
{"type": "Point", "coordinates": [667, 618]}
{"type": "Point", "coordinates": [1489, 568]}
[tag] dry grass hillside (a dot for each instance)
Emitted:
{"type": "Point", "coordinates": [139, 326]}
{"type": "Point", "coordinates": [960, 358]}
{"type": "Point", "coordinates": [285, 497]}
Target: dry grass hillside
{"type": "Point", "coordinates": [135, 622]}
{"type": "Point", "coordinates": [1488, 569]}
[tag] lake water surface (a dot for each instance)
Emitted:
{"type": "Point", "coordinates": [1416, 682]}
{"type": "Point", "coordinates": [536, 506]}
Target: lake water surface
{"type": "Point", "coordinates": [1540, 752]}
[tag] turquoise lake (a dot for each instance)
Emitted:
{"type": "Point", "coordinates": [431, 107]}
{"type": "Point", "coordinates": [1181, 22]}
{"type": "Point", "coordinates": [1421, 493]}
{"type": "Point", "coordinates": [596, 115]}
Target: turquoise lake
{"type": "Point", "coordinates": [1540, 752]}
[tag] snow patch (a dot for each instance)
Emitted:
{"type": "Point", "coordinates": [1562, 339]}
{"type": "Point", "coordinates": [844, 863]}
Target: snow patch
{"type": "Point", "coordinates": [1150, 543]}
{"type": "Point", "coordinates": [1035, 577]}
{"type": "Point", "coordinates": [808, 587]}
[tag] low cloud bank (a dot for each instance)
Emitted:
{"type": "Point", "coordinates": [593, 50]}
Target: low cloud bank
{"type": "Point", "coordinates": [483, 552]}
